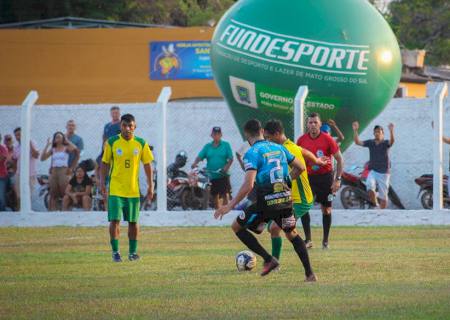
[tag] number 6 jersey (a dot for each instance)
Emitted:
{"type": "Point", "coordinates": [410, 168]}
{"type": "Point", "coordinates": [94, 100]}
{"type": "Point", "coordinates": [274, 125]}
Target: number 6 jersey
{"type": "Point", "coordinates": [124, 156]}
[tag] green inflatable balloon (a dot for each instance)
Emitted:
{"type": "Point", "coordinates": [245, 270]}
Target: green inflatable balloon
{"type": "Point", "coordinates": [344, 51]}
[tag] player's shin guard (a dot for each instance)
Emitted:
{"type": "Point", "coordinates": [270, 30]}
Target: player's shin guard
{"type": "Point", "coordinates": [302, 252]}
{"type": "Point", "coordinates": [252, 243]}
{"type": "Point", "coordinates": [326, 220]}
{"type": "Point", "coordinates": [306, 223]}
{"type": "Point", "coordinates": [276, 247]}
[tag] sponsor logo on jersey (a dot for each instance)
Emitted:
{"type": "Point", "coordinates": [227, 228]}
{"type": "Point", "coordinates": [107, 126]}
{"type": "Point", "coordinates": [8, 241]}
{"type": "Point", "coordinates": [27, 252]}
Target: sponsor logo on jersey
{"type": "Point", "coordinates": [242, 215]}
{"type": "Point", "coordinates": [119, 152]}
{"type": "Point", "coordinates": [136, 151]}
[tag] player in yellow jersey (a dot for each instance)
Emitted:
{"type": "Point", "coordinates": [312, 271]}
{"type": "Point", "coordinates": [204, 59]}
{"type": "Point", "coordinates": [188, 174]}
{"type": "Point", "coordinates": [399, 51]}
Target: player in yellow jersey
{"type": "Point", "coordinates": [302, 196]}
{"type": "Point", "coordinates": [121, 159]}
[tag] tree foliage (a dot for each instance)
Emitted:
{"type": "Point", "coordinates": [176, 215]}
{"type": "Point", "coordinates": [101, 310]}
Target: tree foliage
{"type": "Point", "coordinates": [169, 12]}
{"type": "Point", "coordinates": [418, 24]}
{"type": "Point", "coordinates": [423, 24]}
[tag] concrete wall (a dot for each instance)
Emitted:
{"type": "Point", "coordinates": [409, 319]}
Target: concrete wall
{"type": "Point", "coordinates": [191, 121]}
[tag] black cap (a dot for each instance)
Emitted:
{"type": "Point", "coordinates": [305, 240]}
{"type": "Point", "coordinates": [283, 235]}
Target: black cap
{"type": "Point", "coordinates": [216, 130]}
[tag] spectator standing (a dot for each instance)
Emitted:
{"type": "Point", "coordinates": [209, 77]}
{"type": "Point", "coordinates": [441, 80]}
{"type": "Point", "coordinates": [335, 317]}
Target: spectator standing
{"type": "Point", "coordinates": [109, 130]}
{"type": "Point", "coordinates": [59, 167]}
{"type": "Point", "coordinates": [219, 158]}
{"type": "Point", "coordinates": [323, 180]}
{"type": "Point", "coordinates": [78, 191]}
{"type": "Point", "coordinates": [76, 140]}
{"type": "Point", "coordinates": [9, 145]}
{"type": "Point", "coordinates": [3, 176]}
{"type": "Point", "coordinates": [34, 154]}
{"type": "Point", "coordinates": [447, 141]}
{"type": "Point", "coordinates": [379, 163]}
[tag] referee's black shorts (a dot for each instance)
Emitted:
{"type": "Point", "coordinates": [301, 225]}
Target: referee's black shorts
{"type": "Point", "coordinates": [321, 187]}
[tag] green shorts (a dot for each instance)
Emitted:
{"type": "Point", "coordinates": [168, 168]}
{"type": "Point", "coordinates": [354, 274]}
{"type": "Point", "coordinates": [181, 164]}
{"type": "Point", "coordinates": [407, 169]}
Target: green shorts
{"type": "Point", "coordinates": [129, 207]}
{"type": "Point", "coordinates": [300, 209]}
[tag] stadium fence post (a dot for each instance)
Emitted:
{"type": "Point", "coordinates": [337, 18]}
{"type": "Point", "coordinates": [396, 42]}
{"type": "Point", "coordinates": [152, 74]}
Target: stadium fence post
{"type": "Point", "coordinates": [438, 107]}
{"type": "Point", "coordinates": [299, 111]}
{"type": "Point", "coordinates": [25, 123]}
{"type": "Point", "coordinates": [161, 193]}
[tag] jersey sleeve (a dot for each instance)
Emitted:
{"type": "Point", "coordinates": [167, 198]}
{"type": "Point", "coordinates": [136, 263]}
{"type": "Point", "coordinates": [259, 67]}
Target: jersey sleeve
{"type": "Point", "coordinates": [81, 144]}
{"type": "Point", "coordinates": [367, 143]}
{"type": "Point", "coordinates": [147, 155]}
{"type": "Point", "coordinates": [334, 148]}
{"type": "Point", "coordinates": [229, 152]}
{"type": "Point", "coordinates": [250, 160]}
{"type": "Point", "coordinates": [107, 153]}
{"type": "Point", "coordinates": [202, 153]}
{"type": "Point", "coordinates": [289, 156]}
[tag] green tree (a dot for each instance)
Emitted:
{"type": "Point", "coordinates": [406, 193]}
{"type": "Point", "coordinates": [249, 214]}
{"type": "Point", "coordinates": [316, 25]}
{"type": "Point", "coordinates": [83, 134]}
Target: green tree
{"type": "Point", "coordinates": [423, 24]}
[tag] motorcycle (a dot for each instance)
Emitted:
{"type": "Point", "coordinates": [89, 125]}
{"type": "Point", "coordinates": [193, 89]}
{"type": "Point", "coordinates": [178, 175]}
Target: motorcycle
{"type": "Point", "coordinates": [425, 182]}
{"type": "Point", "coordinates": [189, 190]}
{"type": "Point", "coordinates": [355, 196]}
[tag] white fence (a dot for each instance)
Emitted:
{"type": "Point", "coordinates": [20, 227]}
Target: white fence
{"type": "Point", "coordinates": [189, 125]}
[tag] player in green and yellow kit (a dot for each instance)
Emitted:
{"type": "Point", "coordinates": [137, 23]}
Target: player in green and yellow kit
{"type": "Point", "coordinates": [302, 196]}
{"type": "Point", "coordinates": [121, 159]}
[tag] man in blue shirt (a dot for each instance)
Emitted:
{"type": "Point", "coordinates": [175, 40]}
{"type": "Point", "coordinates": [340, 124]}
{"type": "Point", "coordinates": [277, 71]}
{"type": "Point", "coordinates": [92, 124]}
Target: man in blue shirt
{"type": "Point", "coordinates": [266, 166]}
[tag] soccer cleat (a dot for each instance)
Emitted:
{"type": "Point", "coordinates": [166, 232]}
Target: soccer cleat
{"type": "Point", "coordinates": [308, 244]}
{"type": "Point", "coordinates": [270, 266]}
{"type": "Point", "coordinates": [311, 278]}
{"type": "Point", "coordinates": [325, 245]}
{"type": "Point", "coordinates": [133, 257]}
{"type": "Point", "coordinates": [116, 257]}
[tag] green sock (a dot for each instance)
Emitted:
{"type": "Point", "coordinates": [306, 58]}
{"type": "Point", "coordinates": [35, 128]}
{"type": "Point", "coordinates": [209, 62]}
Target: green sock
{"type": "Point", "coordinates": [276, 247]}
{"type": "Point", "coordinates": [115, 245]}
{"type": "Point", "coordinates": [133, 246]}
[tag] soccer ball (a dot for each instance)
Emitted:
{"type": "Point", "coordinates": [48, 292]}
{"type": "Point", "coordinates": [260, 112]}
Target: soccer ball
{"type": "Point", "coordinates": [245, 261]}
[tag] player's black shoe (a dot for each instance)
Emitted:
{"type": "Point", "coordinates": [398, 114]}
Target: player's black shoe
{"type": "Point", "coordinates": [311, 278]}
{"type": "Point", "coordinates": [325, 245]}
{"type": "Point", "coordinates": [133, 257]}
{"type": "Point", "coordinates": [116, 257]}
{"type": "Point", "coordinates": [308, 244]}
{"type": "Point", "coordinates": [270, 266]}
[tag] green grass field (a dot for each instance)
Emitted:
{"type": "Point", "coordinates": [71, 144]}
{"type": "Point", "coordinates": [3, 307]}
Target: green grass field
{"type": "Point", "coordinates": [189, 273]}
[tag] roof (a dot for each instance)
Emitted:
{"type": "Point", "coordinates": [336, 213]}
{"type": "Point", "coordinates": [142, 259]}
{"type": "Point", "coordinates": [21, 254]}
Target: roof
{"type": "Point", "coordinates": [76, 23]}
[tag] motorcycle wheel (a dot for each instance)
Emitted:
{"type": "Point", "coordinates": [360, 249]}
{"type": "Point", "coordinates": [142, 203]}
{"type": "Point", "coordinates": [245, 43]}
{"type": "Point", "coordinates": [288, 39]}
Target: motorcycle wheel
{"type": "Point", "coordinates": [350, 199]}
{"type": "Point", "coordinates": [185, 199]}
{"type": "Point", "coordinates": [427, 199]}
{"type": "Point", "coordinates": [395, 198]}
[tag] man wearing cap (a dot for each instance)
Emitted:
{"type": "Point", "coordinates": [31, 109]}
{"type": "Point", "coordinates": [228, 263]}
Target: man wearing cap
{"type": "Point", "coordinates": [218, 157]}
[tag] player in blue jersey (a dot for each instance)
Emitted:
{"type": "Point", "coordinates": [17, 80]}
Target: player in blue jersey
{"type": "Point", "coordinates": [266, 166]}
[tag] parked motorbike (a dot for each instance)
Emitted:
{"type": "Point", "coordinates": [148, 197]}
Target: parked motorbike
{"type": "Point", "coordinates": [189, 190]}
{"type": "Point", "coordinates": [354, 194]}
{"type": "Point", "coordinates": [425, 182]}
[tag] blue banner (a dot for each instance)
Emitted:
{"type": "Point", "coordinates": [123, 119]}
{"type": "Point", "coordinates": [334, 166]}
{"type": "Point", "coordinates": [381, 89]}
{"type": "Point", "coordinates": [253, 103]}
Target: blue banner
{"type": "Point", "coordinates": [180, 60]}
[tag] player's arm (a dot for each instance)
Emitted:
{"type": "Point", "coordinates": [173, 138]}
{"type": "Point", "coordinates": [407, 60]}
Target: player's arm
{"type": "Point", "coordinates": [391, 133]}
{"type": "Point", "coordinates": [246, 187]}
{"type": "Point", "coordinates": [309, 156]}
{"type": "Point", "coordinates": [296, 168]}
{"type": "Point", "coordinates": [47, 152]}
{"type": "Point", "coordinates": [446, 139]}
{"type": "Point", "coordinates": [355, 126]}
{"type": "Point", "coordinates": [339, 169]}
{"type": "Point", "coordinates": [104, 165]}
{"type": "Point", "coordinates": [340, 135]}
{"type": "Point", "coordinates": [149, 174]}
